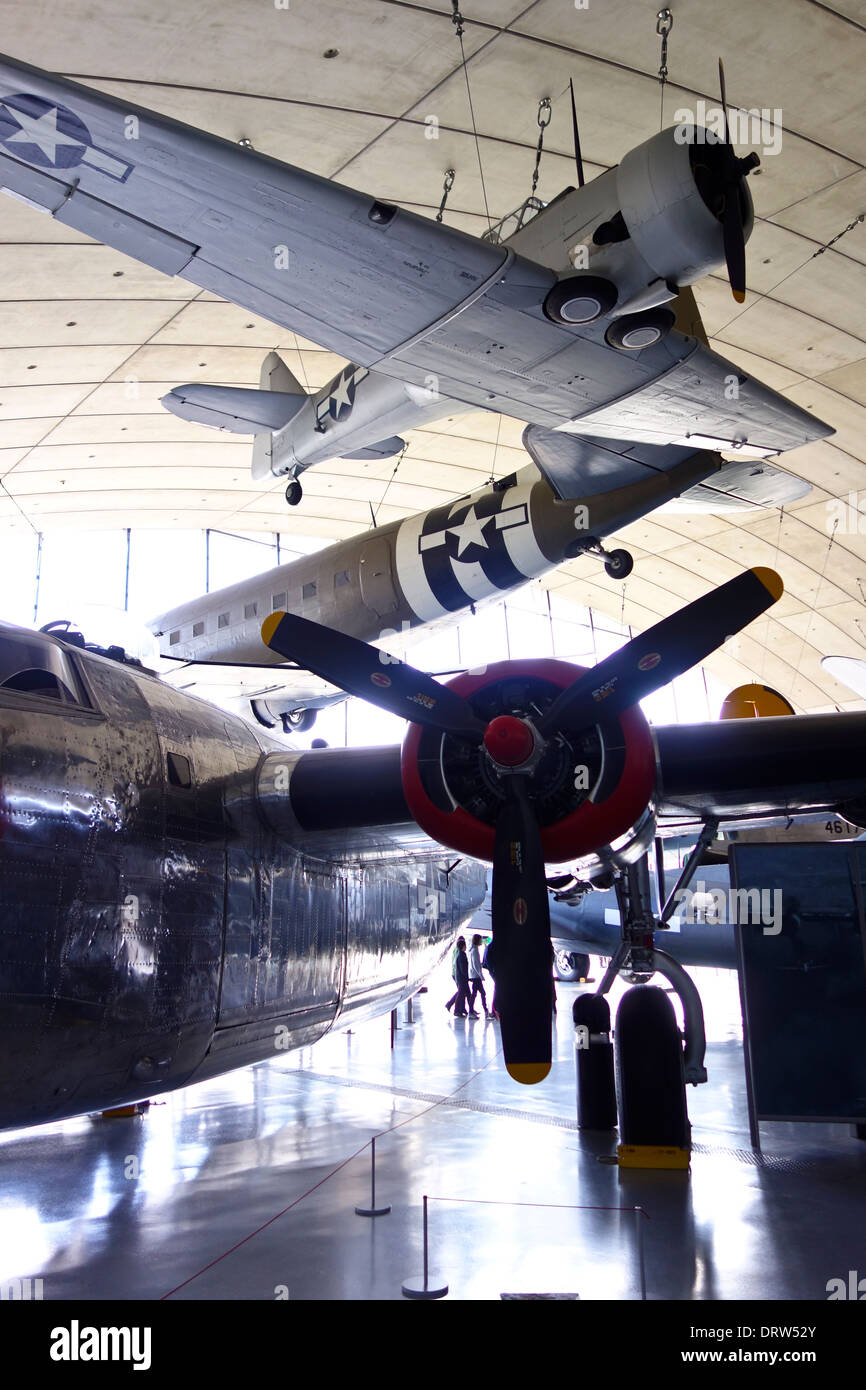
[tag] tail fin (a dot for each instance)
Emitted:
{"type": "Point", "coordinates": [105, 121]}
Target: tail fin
{"type": "Point", "coordinates": [274, 376]}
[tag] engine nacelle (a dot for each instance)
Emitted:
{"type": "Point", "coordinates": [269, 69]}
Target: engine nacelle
{"type": "Point", "coordinates": [590, 787]}
{"type": "Point", "coordinates": [648, 227]}
{"type": "Point", "coordinates": [668, 189]}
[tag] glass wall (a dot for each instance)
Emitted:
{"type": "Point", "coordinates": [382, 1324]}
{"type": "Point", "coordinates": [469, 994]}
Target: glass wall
{"type": "Point", "coordinates": [109, 583]}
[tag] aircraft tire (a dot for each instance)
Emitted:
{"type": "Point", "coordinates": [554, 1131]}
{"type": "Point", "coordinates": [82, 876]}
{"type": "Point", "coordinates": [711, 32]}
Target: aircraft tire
{"type": "Point", "coordinates": [596, 1092]}
{"type": "Point", "coordinates": [619, 564]}
{"type": "Point", "coordinates": [299, 721]}
{"type": "Point", "coordinates": [650, 1086]}
{"type": "Point", "coordinates": [635, 331]}
{"type": "Point", "coordinates": [580, 299]}
{"type": "Point", "coordinates": [294, 493]}
{"type": "Point", "coordinates": [571, 966]}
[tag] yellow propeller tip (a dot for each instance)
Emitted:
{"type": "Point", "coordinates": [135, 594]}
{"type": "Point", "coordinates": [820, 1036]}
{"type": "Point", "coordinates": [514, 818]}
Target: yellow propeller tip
{"type": "Point", "coordinates": [739, 296]}
{"type": "Point", "coordinates": [528, 1073]}
{"type": "Point", "coordinates": [771, 581]}
{"type": "Point", "coordinates": [270, 625]}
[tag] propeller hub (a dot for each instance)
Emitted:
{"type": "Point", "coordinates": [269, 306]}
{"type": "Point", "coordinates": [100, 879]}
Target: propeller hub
{"type": "Point", "coordinates": [509, 741]}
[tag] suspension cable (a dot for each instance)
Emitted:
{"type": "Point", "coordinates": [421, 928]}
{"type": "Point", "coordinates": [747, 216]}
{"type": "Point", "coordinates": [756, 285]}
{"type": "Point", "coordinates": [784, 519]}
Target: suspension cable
{"type": "Point", "coordinates": [457, 21]}
{"type": "Point", "coordinates": [664, 25]}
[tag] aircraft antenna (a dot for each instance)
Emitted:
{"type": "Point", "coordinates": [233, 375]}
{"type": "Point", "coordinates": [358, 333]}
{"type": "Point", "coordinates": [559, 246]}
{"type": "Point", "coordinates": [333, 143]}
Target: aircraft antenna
{"type": "Point", "coordinates": [457, 21]}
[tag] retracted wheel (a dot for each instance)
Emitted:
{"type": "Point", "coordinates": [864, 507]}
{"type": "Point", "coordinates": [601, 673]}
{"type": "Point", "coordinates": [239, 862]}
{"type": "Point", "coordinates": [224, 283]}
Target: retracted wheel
{"type": "Point", "coordinates": [619, 564]}
{"type": "Point", "coordinates": [650, 1085]}
{"type": "Point", "coordinates": [580, 299]}
{"type": "Point", "coordinates": [635, 331]}
{"type": "Point", "coordinates": [294, 493]}
{"type": "Point", "coordinates": [298, 721]}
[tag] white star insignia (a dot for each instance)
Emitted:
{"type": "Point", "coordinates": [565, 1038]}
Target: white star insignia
{"type": "Point", "coordinates": [41, 131]}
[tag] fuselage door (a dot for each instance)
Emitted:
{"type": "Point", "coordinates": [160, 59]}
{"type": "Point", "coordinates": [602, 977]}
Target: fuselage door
{"type": "Point", "coordinates": [377, 583]}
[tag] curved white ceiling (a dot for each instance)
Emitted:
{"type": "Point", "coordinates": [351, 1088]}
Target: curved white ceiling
{"type": "Point", "coordinates": [89, 340]}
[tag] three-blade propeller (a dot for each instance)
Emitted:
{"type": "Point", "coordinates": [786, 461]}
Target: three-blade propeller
{"type": "Point", "coordinates": [522, 956]}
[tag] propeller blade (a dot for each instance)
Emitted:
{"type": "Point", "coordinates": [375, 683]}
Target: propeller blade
{"type": "Point", "coordinates": [577, 155]}
{"type": "Point", "coordinates": [734, 243]}
{"type": "Point", "coordinates": [724, 101]}
{"type": "Point", "coordinates": [374, 675]}
{"type": "Point", "coordinates": [664, 651]}
{"type": "Point", "coordinates": [523, 955]}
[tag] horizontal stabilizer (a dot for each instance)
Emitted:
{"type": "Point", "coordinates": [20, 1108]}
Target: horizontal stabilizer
{"type": "Point", "coordinates": [236, 408]}
{"type": "Point", "coordinates": [741, 486]}
{"type": "Point", "coordinates": [385, 449]}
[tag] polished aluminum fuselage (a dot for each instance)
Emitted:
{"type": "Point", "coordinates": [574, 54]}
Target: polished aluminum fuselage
{"type": "Point", "coordinates": [153, 934]}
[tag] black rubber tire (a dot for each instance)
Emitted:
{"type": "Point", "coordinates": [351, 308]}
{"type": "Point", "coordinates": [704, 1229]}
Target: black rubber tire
{"type": "Point", "coordinates": [650, 1088]}
{"type": "Point", "coordinates": [299, 721]}
{"type": "Point", "coordinates": [580, 287]}
{"type": "Point", "coordinates": [619, 564]}
{"type": "Point", "coordinates": [577, 969]}
{"type": "Point", "coordinates": [294, 492]}
{"type": "Point", "coordinates": [596, 1091]}
{"type": "Point", "coordinates": [660, 321]}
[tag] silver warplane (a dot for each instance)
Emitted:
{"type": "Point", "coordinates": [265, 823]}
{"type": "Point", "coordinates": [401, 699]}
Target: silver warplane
{"type": "Point", "coordinates": [401, 580]}
{"type": "Point", "coordinates": [578, 323]}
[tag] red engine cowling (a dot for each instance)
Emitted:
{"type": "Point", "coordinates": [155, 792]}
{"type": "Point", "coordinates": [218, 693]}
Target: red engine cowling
{"type": "Point", "coordinates": [589, 787]}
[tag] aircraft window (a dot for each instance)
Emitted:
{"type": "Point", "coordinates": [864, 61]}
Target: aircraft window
{"type": "Point", "coordinates": [198, 629]}
{"type": "Point", "coordinates": [278, 603]}
{"type": "Point", "coordinates": [250, 610]}
{"type": "Point", "coordinates": [34, 665]}
{"type": "Point", "coordinates": [179, 770]}
{"type": "Point", "coordinates": [223, 620]}
{"type": "Point", "coordinates": [36, 682]}
{"type": "Point", "coordinates": [341, 579]}
{"type": "Point", "coordinates": [174, 638]}
{"type": "Point", "coordinates": [310, 590]}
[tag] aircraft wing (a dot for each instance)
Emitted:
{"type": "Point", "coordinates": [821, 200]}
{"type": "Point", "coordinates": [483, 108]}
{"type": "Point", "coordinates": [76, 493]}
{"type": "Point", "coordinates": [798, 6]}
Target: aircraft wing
{"type": "Point", "coordinates": [356, 276]}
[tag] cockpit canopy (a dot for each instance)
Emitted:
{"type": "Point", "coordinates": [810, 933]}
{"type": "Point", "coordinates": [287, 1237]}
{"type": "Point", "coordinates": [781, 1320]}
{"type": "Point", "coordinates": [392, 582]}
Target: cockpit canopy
{"type": "Point", "coordinates": [36, 665]}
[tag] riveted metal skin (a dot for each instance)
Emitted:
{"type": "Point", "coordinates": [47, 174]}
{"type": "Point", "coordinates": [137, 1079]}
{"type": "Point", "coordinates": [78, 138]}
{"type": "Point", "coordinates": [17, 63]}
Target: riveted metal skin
{"type": "Point", "coordinates": [154, 933]}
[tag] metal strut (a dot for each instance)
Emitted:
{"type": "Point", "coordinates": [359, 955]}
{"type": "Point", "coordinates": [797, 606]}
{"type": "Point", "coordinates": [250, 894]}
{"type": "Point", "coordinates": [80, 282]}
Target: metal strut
{"type": "Point", "coordinates": [638, 952]}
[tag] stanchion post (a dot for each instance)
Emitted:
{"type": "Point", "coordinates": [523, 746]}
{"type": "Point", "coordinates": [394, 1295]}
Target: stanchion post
{"type": "Point", "coordinates": [639, 1214]}
{"type": "Point", "coordinates": [372, 1209]}
{"type": "Point", "coordinates": [429, 1286]}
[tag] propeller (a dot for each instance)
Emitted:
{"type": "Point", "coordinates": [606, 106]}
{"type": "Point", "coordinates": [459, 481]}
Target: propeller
{"type": "Point", "coordinates": [577, 155]}
{"type": "Point", "coordinates": [513, 746]}
{"type": "Point", "coordinates": [733, 234]}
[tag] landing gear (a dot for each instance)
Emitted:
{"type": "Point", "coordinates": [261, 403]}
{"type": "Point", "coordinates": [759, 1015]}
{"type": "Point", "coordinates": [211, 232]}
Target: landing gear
{"type": "Point", "coordinates": [580, 299]}
{"type": "Point", "coordinates": [298, 721]}
{"type": "Point", "coordinates": [617, 563]}
{"type": "Point", "coordinates": [650, 1087]}
{"type": "Point", "coordinates": [635, 331]}
{"type": "Point", "coordinates": [654, 1061]}
{"type": "Point", "coordinates": [571, 966]}
{"type": "Point", "coordinates": [294, 493]}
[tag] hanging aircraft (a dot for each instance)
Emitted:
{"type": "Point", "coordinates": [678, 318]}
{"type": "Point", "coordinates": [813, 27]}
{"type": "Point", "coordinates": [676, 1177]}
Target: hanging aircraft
{"type": "Point", "coordinates": [567, 324]}
{"type": "Point", "coordinates": [534, 764]}
{"type": "Point", "coordinates": [409, 577]}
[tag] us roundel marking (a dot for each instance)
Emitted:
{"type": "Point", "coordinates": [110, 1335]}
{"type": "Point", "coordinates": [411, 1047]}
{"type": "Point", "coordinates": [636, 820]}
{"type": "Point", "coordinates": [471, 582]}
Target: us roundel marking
{"type": "Point", "coordinates": [380, 679]}
{"type": "Point", "coordinates": [647, 662]}
{"type": "Point", "coordinates": [52, 137]}
{"type": "Point", "coordinates": [520, 911]}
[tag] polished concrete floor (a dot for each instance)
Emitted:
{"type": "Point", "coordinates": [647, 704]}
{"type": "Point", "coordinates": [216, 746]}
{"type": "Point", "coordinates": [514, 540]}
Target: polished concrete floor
{"type": "Point", "coordinates": [245, 1187]}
